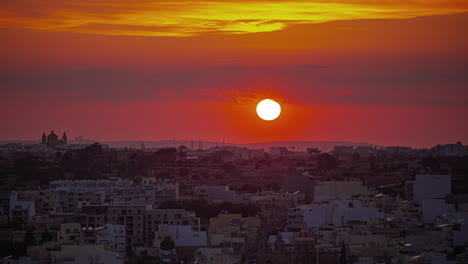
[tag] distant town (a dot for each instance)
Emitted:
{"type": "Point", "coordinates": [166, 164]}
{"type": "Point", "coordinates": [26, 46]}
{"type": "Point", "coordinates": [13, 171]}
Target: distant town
{"type": "Point", "coordinates": [79, 201]}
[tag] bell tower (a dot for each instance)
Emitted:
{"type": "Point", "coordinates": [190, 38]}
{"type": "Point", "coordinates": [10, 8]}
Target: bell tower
{"type": "Point", "coordinates": [64, 138]}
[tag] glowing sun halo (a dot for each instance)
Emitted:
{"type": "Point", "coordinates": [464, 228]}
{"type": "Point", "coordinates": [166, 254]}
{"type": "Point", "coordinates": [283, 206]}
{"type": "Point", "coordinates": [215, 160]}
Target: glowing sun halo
{"type": "Point", "coordinates": [268, 109]}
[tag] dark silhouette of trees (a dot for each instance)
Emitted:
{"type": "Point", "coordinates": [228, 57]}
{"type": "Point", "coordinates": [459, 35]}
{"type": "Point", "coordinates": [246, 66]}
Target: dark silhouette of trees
{"type": "Point", "coordinates": [356, 157]}
{"type": "Point", "coordinates": [165, 155]}
{"type": "Point", "coordinates": [205, 210]}
{"type": "Point", "coordinates": [372, 158]}
{"type": "Point", "coordinates": [343, 257]}
{"type": "Point", "coordinates": [434, 164]}
{"type": "Point", "coordinates": [167, 244]}
{"type": "Point", "coordinates": [229, 167]}
{"type": "Point", "coordinates": [46, 236]}
{"type": "Point", "coordinates": [18, 249]}
{"type": "Point", "coordinates": [249, 188]}
{"type": "Point", "coordinates": [327, 162]}
{"type": "Point", "coordinates": [87, 162]}
{"type": "Point", "coordinates": [35, 168]}
{"type": "Point", "coordinates": [182, 148]}
{"type": "Point", "coordinates": [27, 168]}
{"type": "Point", "coordinates": [29, 238]}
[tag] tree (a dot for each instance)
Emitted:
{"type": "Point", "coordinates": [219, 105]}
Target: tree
{"type": "Point", "coordinates": [182, 148]}
{"type": "Point", "coordinates": [90, 161]}
{"type": "Point", "coordinates": [356, 157]}
{"type": "Point", "coordinates": [181, 152]}
{"type": "Point", "coordinates": [165, 155]}
{"type": "Point", "coordinates": [29, 167]}
{"type": "Point", "coordinates": [433, 163]}
{"type": "Point", "coordinates": [46, 236]}
{"type": "Point", "coordinates": [229, 167]}
{"type": "Point", "coordinates": [372, 158]}
{"type": "Point", "coordinates": [249, 188]}
{"type": "Point", "coordinates": [343, 258]}
{"type": "Point", "coordinates": [167, 244]}
{"type": "Point", "coordinates": [29, 240]}
{"type": "Point", "coordinates": [18, 250]}
{"type": "Point", "coordinates": [327, 162]}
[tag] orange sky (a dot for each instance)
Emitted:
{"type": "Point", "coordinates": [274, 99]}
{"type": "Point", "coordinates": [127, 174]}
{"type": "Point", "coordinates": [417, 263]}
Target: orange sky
{"type": "Point", "coordinates": [188, 18]}
{"type": "Point", "coordinates": [391, 73]}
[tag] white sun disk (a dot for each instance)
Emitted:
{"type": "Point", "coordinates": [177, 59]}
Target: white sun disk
{"type": "Point", "coordinates": [268, 109]}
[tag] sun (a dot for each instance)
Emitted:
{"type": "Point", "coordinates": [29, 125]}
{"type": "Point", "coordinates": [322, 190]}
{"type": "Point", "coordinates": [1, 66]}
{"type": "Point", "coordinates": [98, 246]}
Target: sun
{"type": "Point", "coordinates": [268, 109]}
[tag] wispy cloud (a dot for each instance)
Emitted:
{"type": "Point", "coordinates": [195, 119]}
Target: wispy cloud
{"type": "Point", "coordinates": [308, 66]}
{"type": "Point", "coordinates": [416, 83]}
{"type": "Point", "coordinates": [188, 18]}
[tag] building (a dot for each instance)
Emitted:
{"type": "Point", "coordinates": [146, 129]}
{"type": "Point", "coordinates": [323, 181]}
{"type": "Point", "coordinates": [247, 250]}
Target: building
{"type": "Point", "coordinates": [185, 236]}
{"type": "Point", "coordinates": [90, 185]}
{"type": "Point", "coordinates": [450, 150]}
{"type": "Point", "coordinates": [71, 201]}
{"type": "Point", "coordinates": [85, 254]}
{"type": "Point", "coordinates": [132, 217]}
{"type": "Point", "coordinates": [292, 248]}
{"type": "Point", "coordinates": [431, 187]}
{"type": "Point", "coordinates": [336, 212]}
{"type": "Point", "coordinates": [4, 203]}
{"type": "Point", "coordinates": [52, 140]}
{"type": "Point", "coordinates": [431, 208]}
{"type": "Point", "coordinates": [217, 255]}
{"type": "Point", "coordinates": [156, 218]}
{"type": "Point", "coordinates": [278, 151]}
{"type": "Point", "coordinates": [330, 190]}
{"type": "Point", "coordinates": [70, 234]}
{"type": "Point", "coordinates": [112, 235]}
{"type": "Point", "coordinates": [233, 230]}
{"type": "Point", "coordinates": [21, 212]}
{"type": "Point", "coordinates": [313, 151]}
{"type": "Point", "coordinates": [270, 198]}
{"type": "Point", "coordinates": [300, 184]}
{"type": "Point", "coordinates": [216, 194]}
{"type": "Point", "coordinates": [343, 149]}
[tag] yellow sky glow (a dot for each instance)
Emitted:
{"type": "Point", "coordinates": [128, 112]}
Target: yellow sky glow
{"type": "Point", "coordinates": [188, 18]}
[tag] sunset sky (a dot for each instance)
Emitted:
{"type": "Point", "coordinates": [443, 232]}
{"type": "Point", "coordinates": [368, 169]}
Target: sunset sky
{"type": "Point", "coordinates": [384, 72]}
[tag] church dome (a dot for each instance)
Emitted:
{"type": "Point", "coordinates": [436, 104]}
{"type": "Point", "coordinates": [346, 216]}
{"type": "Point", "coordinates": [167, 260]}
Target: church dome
{"type": "Point", "coordinates": [305, 235]}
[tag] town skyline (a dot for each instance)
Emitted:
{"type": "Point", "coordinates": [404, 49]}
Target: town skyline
{"type": "Point", "coordinates": [206, 142]}
{"type": "Point", "coordinates": [391, 81]}
{"type": "Point", "coordinates": [233, 132]}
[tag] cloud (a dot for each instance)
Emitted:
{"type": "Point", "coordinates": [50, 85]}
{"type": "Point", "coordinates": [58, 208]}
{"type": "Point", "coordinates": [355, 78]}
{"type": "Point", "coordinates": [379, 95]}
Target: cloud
{"type": "Point", "coordinates": [311, 66]}
{"type": "Point", "coordinates": [414, 83]}
{"type": "Point", "coordinates": [188, 18]}
{"type": "Point", "coordinates": [344, 92]}
{"type": "Point", "coordinates": [239, 95]}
